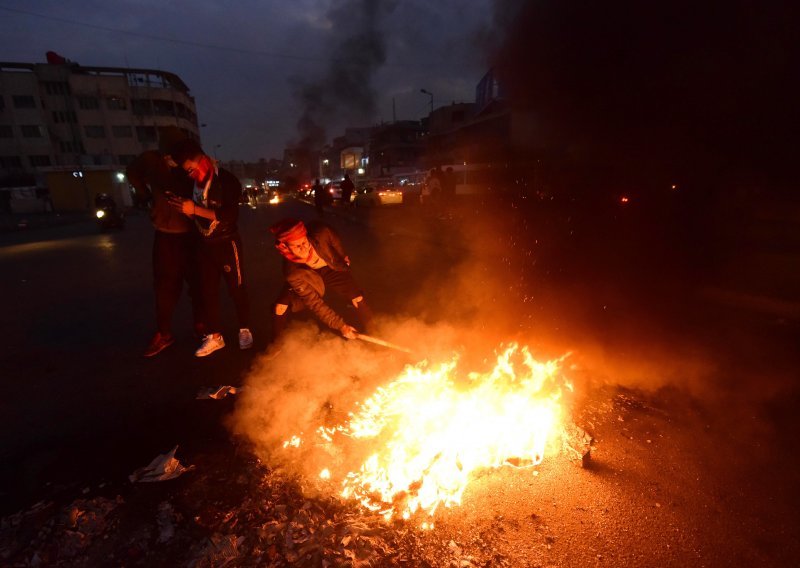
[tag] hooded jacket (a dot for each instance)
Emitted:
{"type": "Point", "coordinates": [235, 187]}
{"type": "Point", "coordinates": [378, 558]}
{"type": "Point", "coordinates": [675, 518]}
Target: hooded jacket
{"type": "Point", "coordinates": [307, 283]}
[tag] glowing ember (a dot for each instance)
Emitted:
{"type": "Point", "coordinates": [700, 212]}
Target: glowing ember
{"type": "Point", "coordinates": [425, 433]}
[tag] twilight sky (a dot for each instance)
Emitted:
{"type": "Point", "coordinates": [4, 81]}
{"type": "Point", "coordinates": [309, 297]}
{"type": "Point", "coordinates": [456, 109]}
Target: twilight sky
{"type": "Point", "coordinates": [255, 66]}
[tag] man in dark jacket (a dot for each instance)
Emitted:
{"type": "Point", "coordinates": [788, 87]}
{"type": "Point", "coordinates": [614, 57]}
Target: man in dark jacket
{"type": "Point", "coordinates": [321, 197]}
{"type": "Point", "coordinates": [347, 190]}
{"type": "Point", "coordinates": [154, 177]}
{"type": "Point", "coordinates": [315, 261]}
{"type": "Point", "coordinates": [215, 210]}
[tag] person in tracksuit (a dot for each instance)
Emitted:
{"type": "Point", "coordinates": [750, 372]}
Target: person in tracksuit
{"type": "Point", "coordinates": [215, 210]}
{"type": "Point", "coordinates": [315, 262]}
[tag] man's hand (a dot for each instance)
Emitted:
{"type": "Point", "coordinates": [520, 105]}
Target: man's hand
{"type": "Point", "coordinates": [185, 206]}
{"type": "Point", "coordinates": [349, 331]}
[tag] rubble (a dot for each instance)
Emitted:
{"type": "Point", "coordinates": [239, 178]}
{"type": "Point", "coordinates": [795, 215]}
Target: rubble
{"type": "Point", "coordinates": [217, 393]}
{"type": "Point", "coordinates": [229, 514]}
{"type": "Point", "coordinates": [163, 467]}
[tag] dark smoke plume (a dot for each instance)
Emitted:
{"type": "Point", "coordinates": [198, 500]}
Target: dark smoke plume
{"type": "Point", "coordinates": [700, 89]}
{"type": "Point", "coordinates": [345, 92]}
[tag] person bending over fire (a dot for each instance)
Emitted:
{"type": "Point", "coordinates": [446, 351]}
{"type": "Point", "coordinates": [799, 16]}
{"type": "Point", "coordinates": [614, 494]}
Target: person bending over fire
{"type": "Point", "coordinates": [315, 262]}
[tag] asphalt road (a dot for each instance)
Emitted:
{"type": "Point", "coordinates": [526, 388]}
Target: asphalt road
{"type": "Point", "coordinates": [692, 404]}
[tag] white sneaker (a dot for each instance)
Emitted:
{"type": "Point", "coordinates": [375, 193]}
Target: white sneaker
{"type": "Point", "coordinates": [211, 342]}
{"type": "Point", "coordinates": [245, 338]}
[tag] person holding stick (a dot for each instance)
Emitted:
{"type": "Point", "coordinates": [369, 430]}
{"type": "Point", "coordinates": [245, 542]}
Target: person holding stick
{"type": "Point", "coordinates": [315, 262]}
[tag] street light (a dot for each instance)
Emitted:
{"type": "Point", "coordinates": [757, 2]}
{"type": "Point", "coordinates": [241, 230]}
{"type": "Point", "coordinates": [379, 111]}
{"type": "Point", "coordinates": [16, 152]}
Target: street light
{"type": "Point", "coordinates": [215, 150]}
{"type": "Point", "coordinates": [424, 92]}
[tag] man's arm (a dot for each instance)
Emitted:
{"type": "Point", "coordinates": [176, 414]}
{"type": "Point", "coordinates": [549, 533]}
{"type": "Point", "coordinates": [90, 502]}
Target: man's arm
{"type": "Point", "coordinates": [141, 173]}
{"type": "Point", "coordinates": [314, 302]}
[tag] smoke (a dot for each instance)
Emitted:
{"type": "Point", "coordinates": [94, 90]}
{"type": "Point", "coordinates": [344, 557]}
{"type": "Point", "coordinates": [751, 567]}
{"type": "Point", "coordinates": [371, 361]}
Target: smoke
{"type": "Point", "coordinates": [313, 378]}
{"type": "Point", "coordinates": [344, 94]}
{"type": "Point", "coordinates": [692, 90]}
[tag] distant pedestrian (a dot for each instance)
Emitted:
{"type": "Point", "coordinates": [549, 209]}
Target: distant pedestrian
{"type": "Point", "coordinates": [448, 192]}
{"type": "Point", "coordinates": [215, 210]}
{"type": "Point", "coordinates": [347, 190]}
{"type": "Point", "coordinates": [154, 177]}
{"type": "Point", "coordinates": [315, 262]}
{"type": "Point", "coordinates": [433, 190]}
{"type": "Point", "coordinates": [320, 197]}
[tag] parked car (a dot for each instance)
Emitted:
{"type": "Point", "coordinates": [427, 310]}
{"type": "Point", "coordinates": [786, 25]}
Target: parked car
{"type": "Point", "coordinates": [385, 195]}
{"type": "Point", "coordinates": [334, 189]}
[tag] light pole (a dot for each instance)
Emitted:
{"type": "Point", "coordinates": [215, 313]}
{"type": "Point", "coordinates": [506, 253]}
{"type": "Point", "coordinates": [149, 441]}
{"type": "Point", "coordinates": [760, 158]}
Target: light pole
{"type": "Point", "coordinates": [424, 92]}
{"type": "Point", "coordinates": [215, 150]}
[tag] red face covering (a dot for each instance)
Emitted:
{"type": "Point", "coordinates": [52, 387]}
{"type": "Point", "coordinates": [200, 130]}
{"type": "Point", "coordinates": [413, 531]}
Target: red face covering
{"type": "Point", "coordinates": [287, 231]}
{"type": "Point", "coordinates": [198, 168]}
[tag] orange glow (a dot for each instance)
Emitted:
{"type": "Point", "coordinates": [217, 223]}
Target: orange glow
{"type": "Point", "coordinates": [423, 435]}
{"type": "Point", "coordinates": [623, 199]}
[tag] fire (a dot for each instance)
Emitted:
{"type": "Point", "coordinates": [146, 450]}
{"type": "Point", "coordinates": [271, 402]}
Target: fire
{"type": "Point", "coordinates": [425, 433]}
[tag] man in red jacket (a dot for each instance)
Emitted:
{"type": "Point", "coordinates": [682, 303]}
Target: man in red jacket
{"type": "Point", "coordinates": [315, 262]}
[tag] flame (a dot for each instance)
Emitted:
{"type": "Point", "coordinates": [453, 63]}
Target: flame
{"type": "Point", "coordinates": [425, 433]}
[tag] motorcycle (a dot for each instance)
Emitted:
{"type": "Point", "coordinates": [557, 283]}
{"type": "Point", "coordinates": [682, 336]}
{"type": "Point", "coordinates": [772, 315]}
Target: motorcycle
{"type": "Point", "coordinates": [106, 213]}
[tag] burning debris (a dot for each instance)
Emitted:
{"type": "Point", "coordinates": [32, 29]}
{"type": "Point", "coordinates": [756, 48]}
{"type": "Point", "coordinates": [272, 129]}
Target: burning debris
{"type": "Point", "coordinates": [217, 393]}
{"type": "Point", "coordinates": [413, 445]}
{"type": "Point", "coordinates": [162, 468]}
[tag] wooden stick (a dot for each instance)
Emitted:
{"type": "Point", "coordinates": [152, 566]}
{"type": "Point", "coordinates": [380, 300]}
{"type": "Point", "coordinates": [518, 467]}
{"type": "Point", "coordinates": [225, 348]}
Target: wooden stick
{"type": "Point", "coordinates": [377, 341]}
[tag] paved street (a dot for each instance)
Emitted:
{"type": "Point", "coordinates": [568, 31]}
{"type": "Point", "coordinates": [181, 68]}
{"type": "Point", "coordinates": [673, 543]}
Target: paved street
{"type": "Point", "coordinates": [692, 404]}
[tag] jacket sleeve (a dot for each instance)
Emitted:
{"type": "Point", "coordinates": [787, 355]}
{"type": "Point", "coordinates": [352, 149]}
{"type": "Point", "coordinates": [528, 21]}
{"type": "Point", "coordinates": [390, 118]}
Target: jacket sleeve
{"type": "Point", "coordinates": [140, 173]}
{"type": "Point", "coordinates": [329, 239]}
{"type": "Point", "coordinates": [228, 210]}
{"type": "Point", "coordinates": [313, 301]}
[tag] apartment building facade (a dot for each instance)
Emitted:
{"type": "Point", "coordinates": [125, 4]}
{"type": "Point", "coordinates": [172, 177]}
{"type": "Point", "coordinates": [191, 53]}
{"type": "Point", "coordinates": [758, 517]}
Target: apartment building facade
{"type": "Point", "coordinates": [67, 116]}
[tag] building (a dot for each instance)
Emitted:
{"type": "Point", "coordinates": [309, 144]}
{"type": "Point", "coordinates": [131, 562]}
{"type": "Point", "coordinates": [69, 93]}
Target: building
{"type": "Point", "coordinates": [396, 147]}
{"type": "Point", "coordinates": [61, 115]}
{"type": "Point", "coordinates": [443, 144]}
{"type": "Point", "coordinates": [346, 154]}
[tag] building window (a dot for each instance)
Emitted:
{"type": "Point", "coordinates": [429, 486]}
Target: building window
{"type": "Point", "coordinates": [9, 162]}
{"type": "Point", "coordinates": [70, 147]}
{"type": "Point", "coordinates": [32, 131]}
{"type": "Point", "coordinates": [24, 101]}
{"type": "Point", "coordinates": [95, 131]}
{"type": "Point", "coordinates": [116, 103]}
{"type": "Point", "coordinates": [6, 131]}
{"type": "Point", "coordinates": [126, 159]}
{"type": "Point", "coordinates": [88, 103]}
{"type": "Point", "coordinates": [56, 88]}
{"type": "Point", "coordinates": [122, 131]}
{"type": "Point", "coordinates": [141, 106]}
{"type": "Point", "coordinates": [66, 116]}
{"type": "Point", "coordinates": [146, 133]}
{"type": "Point", "coordinates": [163, 108]}
{"type": "Point", "coordinates": [39, 161]}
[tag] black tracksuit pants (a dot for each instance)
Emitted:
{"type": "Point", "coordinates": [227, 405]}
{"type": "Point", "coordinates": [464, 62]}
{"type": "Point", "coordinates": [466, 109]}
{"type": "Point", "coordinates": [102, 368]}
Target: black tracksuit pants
{"type": "Point", "coordinates": [223, 258]}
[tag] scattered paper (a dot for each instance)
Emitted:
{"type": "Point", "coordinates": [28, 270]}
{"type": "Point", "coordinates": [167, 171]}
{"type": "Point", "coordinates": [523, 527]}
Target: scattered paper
{"type": "Point", "coordinates": [162, 468]}
{"type": "Point", "coordinates": [217, 392]}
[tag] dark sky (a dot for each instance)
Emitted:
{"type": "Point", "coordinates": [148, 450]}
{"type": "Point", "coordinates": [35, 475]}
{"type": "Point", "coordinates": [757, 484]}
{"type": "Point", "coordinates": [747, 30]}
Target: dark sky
{"type": "Point", "coordinates": [248, 62]}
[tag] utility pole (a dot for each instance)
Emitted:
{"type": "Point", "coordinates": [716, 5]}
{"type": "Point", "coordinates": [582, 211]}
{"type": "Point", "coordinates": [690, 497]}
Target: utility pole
{"type": "Point", "coordinates": [424, 92]}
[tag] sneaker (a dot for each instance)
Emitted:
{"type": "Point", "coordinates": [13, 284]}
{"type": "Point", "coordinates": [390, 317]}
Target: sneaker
{"type": "Point", "coordinates": [245, 338]}
{"type": "Point", "coordinates": [211, 342]}
{"type": "Point", "coordinates": [159, 342]}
